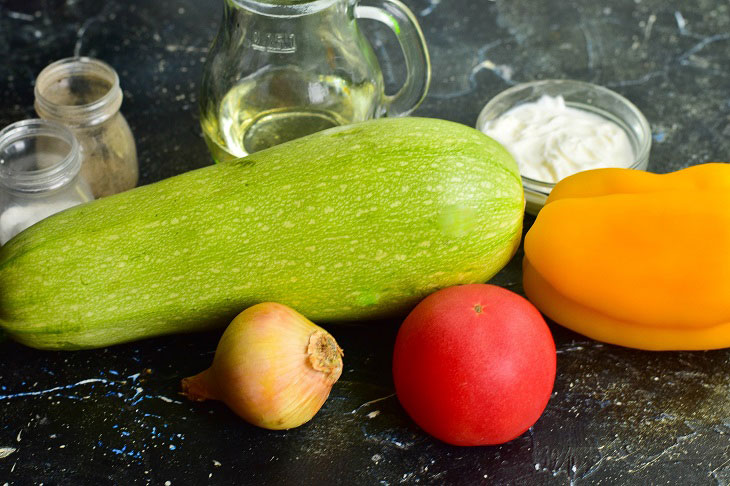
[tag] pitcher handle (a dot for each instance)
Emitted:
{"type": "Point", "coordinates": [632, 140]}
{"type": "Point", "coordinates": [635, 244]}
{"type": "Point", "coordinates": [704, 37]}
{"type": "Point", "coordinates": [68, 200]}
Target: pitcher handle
{"type": "Point", "coordinates": [418, 65]}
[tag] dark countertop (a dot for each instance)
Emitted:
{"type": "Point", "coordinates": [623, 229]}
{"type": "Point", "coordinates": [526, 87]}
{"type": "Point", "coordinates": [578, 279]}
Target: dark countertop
{"type": "Point", "coordinates": [617, 416]}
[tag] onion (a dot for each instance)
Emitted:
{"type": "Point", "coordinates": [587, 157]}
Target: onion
{"type": "Point", "coordinates": [273, 367]}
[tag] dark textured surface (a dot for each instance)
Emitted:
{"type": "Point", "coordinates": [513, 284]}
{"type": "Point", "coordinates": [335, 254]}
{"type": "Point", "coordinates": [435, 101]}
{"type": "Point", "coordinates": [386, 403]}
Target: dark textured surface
{"type": "Point", "coordinates": [617, 416]}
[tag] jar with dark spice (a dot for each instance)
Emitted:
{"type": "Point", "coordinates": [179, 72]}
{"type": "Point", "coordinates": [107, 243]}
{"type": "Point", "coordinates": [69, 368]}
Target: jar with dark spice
{"type": "Point", "coordinates": [84, 94]}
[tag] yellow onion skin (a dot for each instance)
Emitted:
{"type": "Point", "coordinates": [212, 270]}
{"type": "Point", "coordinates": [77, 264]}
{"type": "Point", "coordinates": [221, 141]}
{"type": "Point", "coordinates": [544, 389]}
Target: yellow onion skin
{"type": "Point", "coordinates": [273, 367]}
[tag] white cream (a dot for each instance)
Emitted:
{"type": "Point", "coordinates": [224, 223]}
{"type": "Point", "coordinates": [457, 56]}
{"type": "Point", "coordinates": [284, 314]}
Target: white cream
{"type": "Point", "coordinates": [550, 140]}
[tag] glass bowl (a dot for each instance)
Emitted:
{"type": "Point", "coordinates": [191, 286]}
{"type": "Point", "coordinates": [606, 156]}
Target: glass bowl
{"type": "Point", "coordinates": [577, 94]}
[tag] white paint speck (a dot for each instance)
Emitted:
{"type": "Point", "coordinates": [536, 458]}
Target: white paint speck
{"type": "Point", "coordinates": [376, 458]}
{"type": "Point", "coordinates": [167, 483]}
{"type": "Point", "coordinates": [373, 414]}
{"type": "Point", "coordinates": [6, 451]}
{"type": "Point", "coordinates": [216, 463]}
{"type": "Point", "coordinates": [681, 22]}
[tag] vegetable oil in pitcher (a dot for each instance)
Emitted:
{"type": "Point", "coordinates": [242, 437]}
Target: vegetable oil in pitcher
{"type": "Point", "coordinates": [282, 104]}
{"type": "Point", "coordinates": [282, 69]}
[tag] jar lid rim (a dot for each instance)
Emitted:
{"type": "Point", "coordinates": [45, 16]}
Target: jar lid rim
{"type": "Point", "coordinates": [47, 178]}
{"type": "Point", "coordinates": [88, 113]}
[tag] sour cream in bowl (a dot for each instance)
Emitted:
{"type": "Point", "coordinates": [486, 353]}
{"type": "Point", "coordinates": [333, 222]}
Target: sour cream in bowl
{"type": "Point", "coordinates": [556, 128]}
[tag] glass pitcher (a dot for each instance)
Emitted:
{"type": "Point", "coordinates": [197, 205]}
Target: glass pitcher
{"type": "Point", "coordinates": [282, 69]}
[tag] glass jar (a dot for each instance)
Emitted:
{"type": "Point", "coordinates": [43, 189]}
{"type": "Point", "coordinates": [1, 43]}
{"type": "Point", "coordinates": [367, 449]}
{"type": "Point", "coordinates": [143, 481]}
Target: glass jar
{"type": "Point", "coordinates": [40, 163]}
{"type": "Point", "coordinates": [84, 94]}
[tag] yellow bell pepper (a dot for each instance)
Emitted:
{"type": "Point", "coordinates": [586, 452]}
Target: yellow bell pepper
{"type": "Point", "coordinates": [636, 259]}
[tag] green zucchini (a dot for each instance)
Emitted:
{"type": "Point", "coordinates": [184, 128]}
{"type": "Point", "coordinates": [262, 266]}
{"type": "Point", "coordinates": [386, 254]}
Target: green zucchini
{"type": "Point", "coordinates": [356, 222]}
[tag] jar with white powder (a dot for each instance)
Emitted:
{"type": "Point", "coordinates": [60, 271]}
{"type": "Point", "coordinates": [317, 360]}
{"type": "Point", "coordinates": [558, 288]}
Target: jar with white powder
{"type": "Point", "coordinates": [40, 164]}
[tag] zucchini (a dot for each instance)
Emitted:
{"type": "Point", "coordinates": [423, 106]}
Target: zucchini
{"type": "Point", "coordinates": [356, 222]}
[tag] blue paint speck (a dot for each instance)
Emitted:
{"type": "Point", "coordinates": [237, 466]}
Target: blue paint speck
{"type": "Point", "coordinates": [659, 137]}
{"type": "Point", "coordinates": [131, 453]}
{"type": "Point", "coordinates": [172, 447]}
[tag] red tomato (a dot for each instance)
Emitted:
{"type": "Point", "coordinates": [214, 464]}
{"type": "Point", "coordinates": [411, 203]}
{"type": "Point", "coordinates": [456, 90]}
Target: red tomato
{"type": "Point", "coordinates": [474, 365]}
